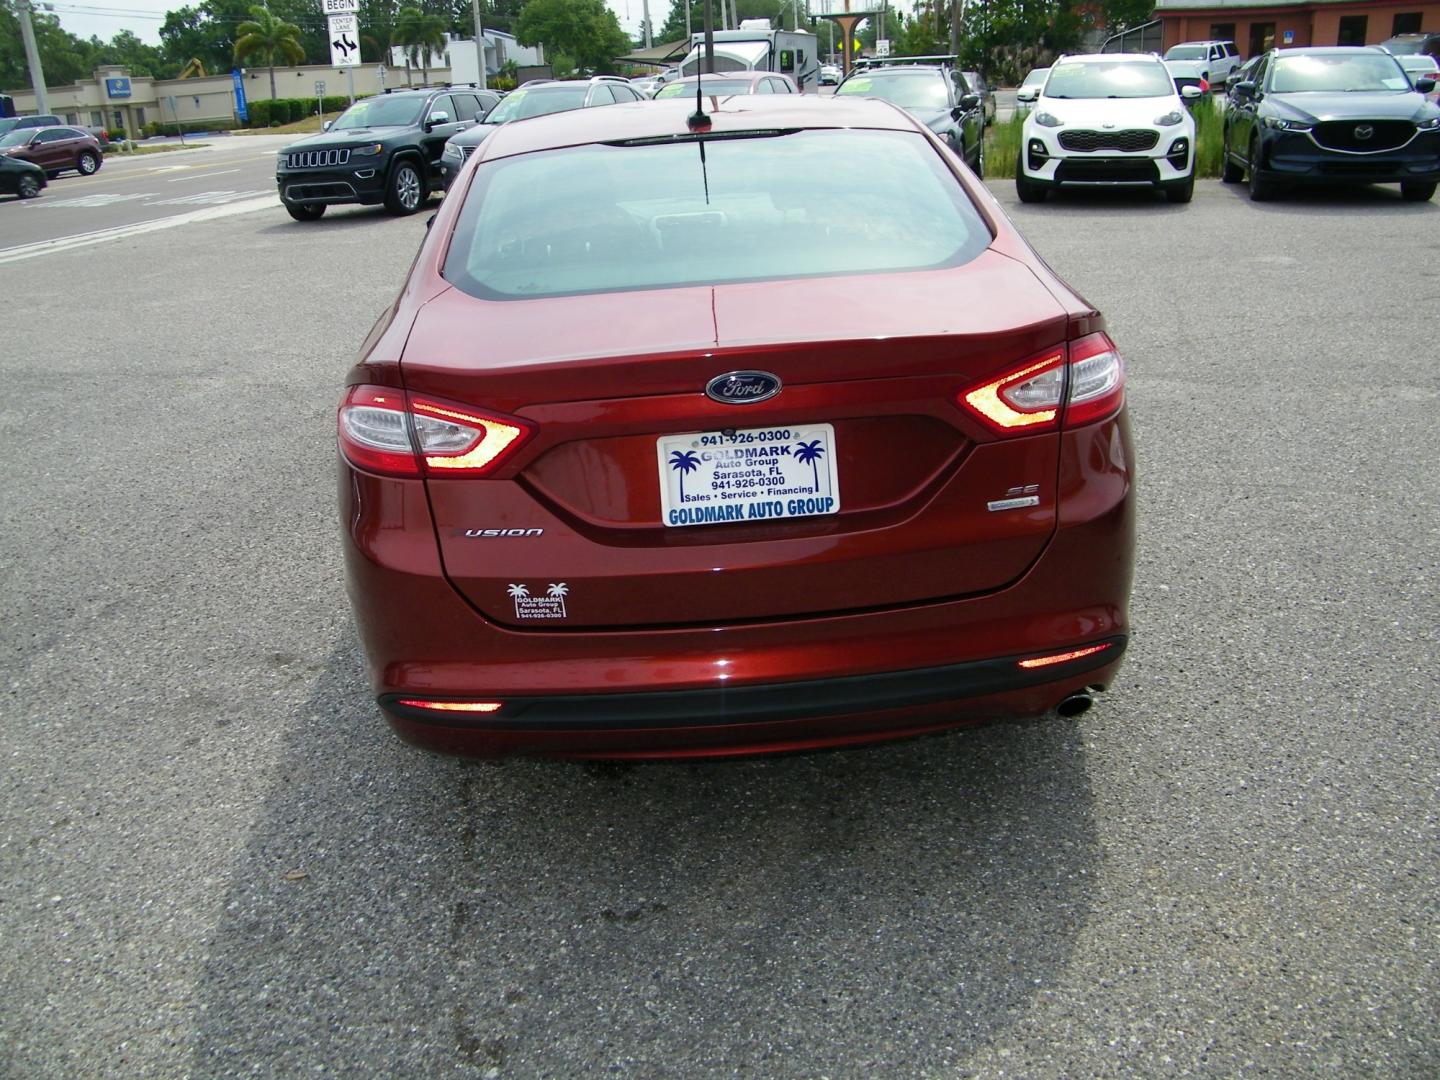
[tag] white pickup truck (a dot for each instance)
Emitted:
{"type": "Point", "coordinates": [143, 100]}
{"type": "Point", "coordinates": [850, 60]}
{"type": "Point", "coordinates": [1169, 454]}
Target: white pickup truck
{"type": "Point", "coordinates": [1192, 62]}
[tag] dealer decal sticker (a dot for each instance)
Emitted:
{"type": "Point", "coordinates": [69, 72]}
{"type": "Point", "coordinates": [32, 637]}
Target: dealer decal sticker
{"type": "Point", "coordinates": [549, 606]}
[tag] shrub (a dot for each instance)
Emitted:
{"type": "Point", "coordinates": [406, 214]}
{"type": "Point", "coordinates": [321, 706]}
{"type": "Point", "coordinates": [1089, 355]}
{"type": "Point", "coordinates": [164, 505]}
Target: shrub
{"type": "Point", "coordinates": [1002, 147]}
{"type": "Point", "coordinates": [1209, 137]}
{"type": "Point", "coordinates": [259, 114]}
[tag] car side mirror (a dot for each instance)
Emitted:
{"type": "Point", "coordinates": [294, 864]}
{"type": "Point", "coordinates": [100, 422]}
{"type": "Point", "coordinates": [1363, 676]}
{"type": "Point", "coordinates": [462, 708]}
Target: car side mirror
{"type": "Point", "coordinates": [968, 102]}
{"type": "Point", "coordinates": [439, 117]}
{"type": "Point", "coordinates": [1027, 94]}
{"type": "Point", "coordinates": [326, 126]}
{"type": "Point", "coordinates": [1424, 86]}
{"type": "Point", "coordinates": [1190, 93]}
{"type": "Point", "coordinates": [480, 117]}
{"type": "Point", "coordinates": [1245, 88]}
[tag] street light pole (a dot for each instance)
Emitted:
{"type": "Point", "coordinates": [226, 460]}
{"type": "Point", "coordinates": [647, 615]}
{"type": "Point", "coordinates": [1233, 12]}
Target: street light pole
{"type": "Point", "coordinates": [645, 7]}
{"type": "Point", "coordinates": [479, 44]}
{"type": "Point", "coordinates": [32, 58]}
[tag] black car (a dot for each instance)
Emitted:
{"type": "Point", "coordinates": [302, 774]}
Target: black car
{"type": "Point", "coordinates": [536, 98]}
{"type": "Point", "coordinates": [1332, 115]}
{"type": "Point", "coordinates": [936, 95]}
{"type": "Point", "coordinates": [382, 149]}
{"type": "Point", "coordinates": [976, 82]}
{"type": "Point", "coordinates": [22, 178]}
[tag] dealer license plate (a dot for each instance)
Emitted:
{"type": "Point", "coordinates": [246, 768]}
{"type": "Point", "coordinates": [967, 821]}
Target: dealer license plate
{"type": "Point", "coordinates": [713, 477]}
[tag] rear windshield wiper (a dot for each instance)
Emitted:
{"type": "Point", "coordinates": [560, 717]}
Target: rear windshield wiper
{"type": "Point", "coordinates": [703, 136]}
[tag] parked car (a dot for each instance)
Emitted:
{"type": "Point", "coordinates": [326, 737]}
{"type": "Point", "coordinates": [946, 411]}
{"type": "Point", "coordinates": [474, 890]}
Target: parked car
{"type": "Point", "coordinates": [619, 366]}
{"type": "Point", "coordinates": [1029, 90]}
{"type": "Point", "coordinates": [23, 179]}
{"type": "Point", "coordinates": [648, 85]}
{"type": "Point", "coordinates": [1108, 119]}
{"type": "Point", "coordinates": [536, 98]}
{"type": "Point", "coordinates": [724, 84]}
{"type": "Point", "coordinates": [936, 95]}
{"type": "Point", "coordinates": [10, 123]}
{"type": "Point", "coordinates": [382, 149]}
{"type": "Point", "coordinates": [830, 75]}
{"type": "Point", "coordinates": [1205, 64]}
{"type": "Point", "coordinates": [1344, 114]}
{"type": "Point", "coordinates": [1243, 72]}
{"type": "Point", "coordinates": [1427, 43]}
{"type": "Point", "coordinates": [978, 85]}
{"type": "Point", "coordinates": [54, 149]}
{"type": "Point", "coordinates": [1419, 66]}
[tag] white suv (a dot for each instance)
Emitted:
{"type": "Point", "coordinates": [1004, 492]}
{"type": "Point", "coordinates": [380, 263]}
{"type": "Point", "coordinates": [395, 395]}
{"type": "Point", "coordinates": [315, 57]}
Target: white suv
{"type": "Point", "coordinates": [1108, 119]}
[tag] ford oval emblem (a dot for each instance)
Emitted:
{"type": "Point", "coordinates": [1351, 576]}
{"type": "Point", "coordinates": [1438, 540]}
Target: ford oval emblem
{"type": "Point", "coordinates": [743, 387]}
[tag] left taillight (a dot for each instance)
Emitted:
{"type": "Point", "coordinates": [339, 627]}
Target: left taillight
{"type": "Point", "coordinates": [383, 431]}
{"type": "Point", "coordinates": [1065, 387]}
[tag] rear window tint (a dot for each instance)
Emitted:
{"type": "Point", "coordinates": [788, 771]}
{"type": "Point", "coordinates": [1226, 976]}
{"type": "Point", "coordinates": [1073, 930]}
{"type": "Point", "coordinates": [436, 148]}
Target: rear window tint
{"type": "Point", "coordinates": [802, 204]}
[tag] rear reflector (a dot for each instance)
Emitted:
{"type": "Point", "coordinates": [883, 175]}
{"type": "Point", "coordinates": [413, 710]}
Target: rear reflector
{"type": "Point", "coordinates": [452, 706]}
{"type": "Point", "coordinates": [1062, 658]}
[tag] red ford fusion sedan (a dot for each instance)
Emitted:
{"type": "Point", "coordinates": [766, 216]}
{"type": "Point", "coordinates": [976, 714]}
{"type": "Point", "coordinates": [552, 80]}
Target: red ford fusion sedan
{"type": "Point", "coordinates": [760, 432]}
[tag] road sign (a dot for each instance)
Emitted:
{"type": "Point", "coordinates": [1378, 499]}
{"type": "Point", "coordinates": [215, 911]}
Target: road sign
{"type": "Point", "coordinates": [344, 41]}
{"type": "Point", "coordinates": [339, 7]}
{"type": "Point", "coordinates": [319, 87]}
{"type": "Point", "coordinates": [882, 47]}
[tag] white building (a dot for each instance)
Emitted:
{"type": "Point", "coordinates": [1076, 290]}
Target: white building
{"type": "Point", "coordinates": [459, 56]}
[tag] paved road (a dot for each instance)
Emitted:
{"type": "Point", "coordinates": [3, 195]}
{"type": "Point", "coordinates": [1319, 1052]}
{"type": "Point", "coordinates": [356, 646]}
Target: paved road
{"type": "Point", "coordinates": [225, 171]}
{"type": "Point", "coordinates": [215, 861]}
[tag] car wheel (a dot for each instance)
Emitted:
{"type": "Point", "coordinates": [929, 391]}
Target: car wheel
{"type": "Point", "coordinates": [87, 163]}
{"type": "Point", "coordinates": [305, 211]}
{"type": "Point", "coordinates": [406, 192]}
{"type": "Point", "coordinates": [1417, 190]}
{"type": "Point", "coordinates": [1028, 190]}
{"type": "Point", "coordinates": [28, 187]}
{"type": "Point", "coordinates": [1181, 191]}
{"type": "Point", "coordinates": [1260, 188]}
{"type": "Point", "coordinates": [1230, 173]}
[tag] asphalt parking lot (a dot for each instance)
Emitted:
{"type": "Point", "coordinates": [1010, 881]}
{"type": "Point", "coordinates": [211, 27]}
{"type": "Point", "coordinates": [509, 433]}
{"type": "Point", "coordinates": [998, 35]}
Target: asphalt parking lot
{"type": "Point", "coordinates": [216, 861]}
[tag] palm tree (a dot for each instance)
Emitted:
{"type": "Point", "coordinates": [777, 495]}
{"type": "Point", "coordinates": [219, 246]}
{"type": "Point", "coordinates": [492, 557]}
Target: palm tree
{"type": "Point", "coordinates": [422, 36]}
{"type": "Point", "coordinates": [808, 453]}
{"type": "Point", "coordinates": [684, 463]}
{"type": "Point", "coordinates": [268, 37]}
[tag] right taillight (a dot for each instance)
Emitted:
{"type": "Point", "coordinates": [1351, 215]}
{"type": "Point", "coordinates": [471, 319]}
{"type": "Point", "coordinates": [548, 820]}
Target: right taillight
{"type": "Point", "coordinates": [382, 431]}
{"type": "Point", "coordinates": [1064, 387]}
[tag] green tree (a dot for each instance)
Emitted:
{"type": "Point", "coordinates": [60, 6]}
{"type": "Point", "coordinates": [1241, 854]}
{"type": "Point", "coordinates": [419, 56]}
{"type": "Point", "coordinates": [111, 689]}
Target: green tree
{"type": "Point", "coordinates": [422, 37]}
{"type": "Point", "coordinates": [585, 30]}
{"type": "Point", "coordinates": [266, 37]}
{"type": "Point", "coordinates": [64, 57]}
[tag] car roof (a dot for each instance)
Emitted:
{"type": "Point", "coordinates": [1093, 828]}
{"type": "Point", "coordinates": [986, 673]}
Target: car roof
{"type": "Point", "coordinates": [1110, 58]}
{"type": "Point", "coordinates": [728, 76]}
{"type": "Point", "coordinates": [1334, 50]}
{"type": "Point", "coordinates": [667, 117]}
{"type": "Point", "coordinates": [1204, 41]}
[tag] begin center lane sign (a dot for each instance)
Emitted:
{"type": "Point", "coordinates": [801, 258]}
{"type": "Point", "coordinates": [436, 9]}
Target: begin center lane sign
{"type": "Point", "coordinates": [344, 41]}
{"type": "Point", "coordinates": [339, 7]}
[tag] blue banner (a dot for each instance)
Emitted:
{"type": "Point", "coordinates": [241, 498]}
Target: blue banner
{"type": "Point", "coordinates": [240, 108]}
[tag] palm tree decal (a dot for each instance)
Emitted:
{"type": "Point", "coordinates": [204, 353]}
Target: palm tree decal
{"type": "Point", "coordinates": [559, 592]}
{"type": "Point", "coordinates": [686, 462]}
{"type": "Point", "coordinates": [808, 453]}
{"type": "Point", "coordinates": [519, 592]}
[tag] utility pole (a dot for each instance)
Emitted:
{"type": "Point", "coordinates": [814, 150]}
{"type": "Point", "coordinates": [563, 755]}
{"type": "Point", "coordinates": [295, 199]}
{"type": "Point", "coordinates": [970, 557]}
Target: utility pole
{"type": "Point", "coordinates": [707, 62]}
{"type": "Point", "coordinates": [645, 7]}
{"type": "Point", "coordinates": [479, 43]}
{"type": "Point", "coordinates": [689, 33]}
{"type": "Point", "coordinates": [32, 58]}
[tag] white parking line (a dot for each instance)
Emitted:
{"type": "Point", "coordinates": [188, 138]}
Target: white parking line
{"type": "Point", "coordinates": [199, 176]}
{"type": "Point", "coordinates": [68, 243]}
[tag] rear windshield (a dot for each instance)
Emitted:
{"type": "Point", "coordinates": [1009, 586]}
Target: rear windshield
{"type": "Point", "coordinates": [909, 90]}
{"type": "Point", "coordinates": [1097, 79]}
{"type": "Point", "coordinates": [713, 88]}
{"type": "Point", "coordinates": [785, 205]}
{"type": "Point", "coordinates": [538, 101]}
{"type": "Point", "coordinates": [1354, 71]}
{"type": "Point", "coordinates": [1187, 52]}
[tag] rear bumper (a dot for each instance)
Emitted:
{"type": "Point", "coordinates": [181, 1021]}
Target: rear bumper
{"type": "Point", "coordinates": [746, 687]}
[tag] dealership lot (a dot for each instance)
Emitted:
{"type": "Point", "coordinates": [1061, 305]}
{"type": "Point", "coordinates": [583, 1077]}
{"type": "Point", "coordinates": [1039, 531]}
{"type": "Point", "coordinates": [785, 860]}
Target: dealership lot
{"type": "Point", "coordinates": [215, 860]}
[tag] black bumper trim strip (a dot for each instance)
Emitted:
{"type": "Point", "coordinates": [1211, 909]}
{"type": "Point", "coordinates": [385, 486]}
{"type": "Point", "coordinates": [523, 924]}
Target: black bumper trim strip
{"type": "Point", "coordinates": [766, 702]}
